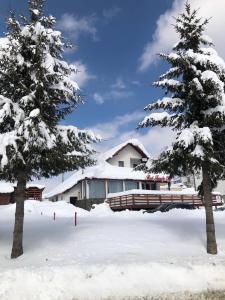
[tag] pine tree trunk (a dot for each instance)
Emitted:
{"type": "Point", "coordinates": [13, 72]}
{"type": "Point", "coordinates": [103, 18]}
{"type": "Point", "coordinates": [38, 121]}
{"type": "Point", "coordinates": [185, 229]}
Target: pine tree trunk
{"type": "Point", "coordinates": [210, 227]}
{"type": "Point", "coordinates": [20, 195]}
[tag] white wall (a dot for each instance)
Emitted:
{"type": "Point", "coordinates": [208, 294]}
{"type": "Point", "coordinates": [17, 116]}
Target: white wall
{"type": "Point", "coordinates": [220, 187]}
{"type": "Point", "coordinates": [125, 155]}
{"type": "Point", "coordinates": [74, 192]}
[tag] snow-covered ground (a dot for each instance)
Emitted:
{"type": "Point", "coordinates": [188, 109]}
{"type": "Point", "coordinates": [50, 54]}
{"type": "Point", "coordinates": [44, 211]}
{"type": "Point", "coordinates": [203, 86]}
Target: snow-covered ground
{"type": "Point", "coordinates": [108, 255]}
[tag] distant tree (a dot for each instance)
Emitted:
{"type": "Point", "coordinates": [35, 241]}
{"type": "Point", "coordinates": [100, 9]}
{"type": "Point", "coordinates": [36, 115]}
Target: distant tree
{"type": "Point", "coordinates": [194, 107]}
{"type": "Point", "coordinates": [36, 93]}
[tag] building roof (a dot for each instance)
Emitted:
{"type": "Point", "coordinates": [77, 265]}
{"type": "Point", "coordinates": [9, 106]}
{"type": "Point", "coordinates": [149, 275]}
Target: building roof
{"type": "Point", "coordinates": [133, 142]}
{"type": "Point", "coordinates": [8, 188]}
{"type": "Point", "coordinates": [102, 170]}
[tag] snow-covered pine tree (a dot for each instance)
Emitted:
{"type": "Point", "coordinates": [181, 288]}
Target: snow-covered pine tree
{"type": "Point", "coordinates": [194, 107]}
{"type": "Point", "coordinates": [36, 93]}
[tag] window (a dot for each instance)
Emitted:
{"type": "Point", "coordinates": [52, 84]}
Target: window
{"type": "Point", "coordinates": [121, 163]}
{"type": "Point", "coordinates": [134, 162]}
{"type": "Point", "coordinates": [131, 185]}
{"type": "Point", "coordinates": [149, 186]}
{"type": "Point", "coordinates": [115, 186]}
{"type": "Point", "coordinates": [96, 189]}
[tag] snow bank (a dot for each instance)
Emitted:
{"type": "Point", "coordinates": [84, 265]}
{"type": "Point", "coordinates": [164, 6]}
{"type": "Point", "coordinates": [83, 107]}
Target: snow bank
{"type": "Point", "coordinates": [48, 208]}
{"type": "Point", "coordinates": [109, 282]}
{"type": "Point", "coordinates": [101, 210]}
{"type": "Point", "coordinates": [108, 255]}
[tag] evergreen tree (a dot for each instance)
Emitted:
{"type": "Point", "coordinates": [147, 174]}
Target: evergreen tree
{"type": "Point", "coordinates": [36, 93]}
{"type": "Point", "coordinates": [194, 107]}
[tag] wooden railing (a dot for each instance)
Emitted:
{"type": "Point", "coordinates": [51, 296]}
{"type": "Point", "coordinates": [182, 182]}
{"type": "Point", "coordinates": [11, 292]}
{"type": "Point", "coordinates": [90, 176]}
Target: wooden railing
{"type": "Point", "coordinates": [145, 201]}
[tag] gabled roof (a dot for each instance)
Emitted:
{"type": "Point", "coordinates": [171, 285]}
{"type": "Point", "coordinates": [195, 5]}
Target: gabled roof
{"type": "Point", "coordinates": [8, 188]}
{"type": "Point", "coordinates": [102, 170]}
{"type": "Point", "coordinates": [133, 142]}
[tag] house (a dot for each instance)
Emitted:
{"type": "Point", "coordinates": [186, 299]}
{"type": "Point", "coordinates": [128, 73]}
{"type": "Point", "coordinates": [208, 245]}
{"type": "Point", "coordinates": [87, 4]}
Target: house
{"type": "Point", "coordinates": [7, 192]}
{"type": "Point", "coordinates": [113, 173]}
{"type": "Point", "coordinates": [194, 180]}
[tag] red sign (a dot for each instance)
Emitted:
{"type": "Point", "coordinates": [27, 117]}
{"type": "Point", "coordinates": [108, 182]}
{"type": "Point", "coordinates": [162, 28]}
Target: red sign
{"type": "Point", "coordinates": [157, 178]}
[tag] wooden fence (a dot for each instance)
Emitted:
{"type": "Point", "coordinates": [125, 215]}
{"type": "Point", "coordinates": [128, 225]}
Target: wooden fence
{"type": "Point", "coordinates": [148, 201]}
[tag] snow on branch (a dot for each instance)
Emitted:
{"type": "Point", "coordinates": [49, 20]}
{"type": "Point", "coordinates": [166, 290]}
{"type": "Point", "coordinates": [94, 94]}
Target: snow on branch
{"type": "Point", "coordinates": [170, 84]}
{"type": "Point", "coordinates": [208, 59]}
{"type": "Point", "coordinates": [194, 134]}
{"type": "Point", "coordinates": [153, 119]}
{"type": "Point", "coordinates": [166, 103]}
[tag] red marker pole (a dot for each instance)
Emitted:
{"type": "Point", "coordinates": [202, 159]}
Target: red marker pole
{"type": "Point", "coordinates": [75, 219]}
{"type": "Point", "coordinates": [54, 216]}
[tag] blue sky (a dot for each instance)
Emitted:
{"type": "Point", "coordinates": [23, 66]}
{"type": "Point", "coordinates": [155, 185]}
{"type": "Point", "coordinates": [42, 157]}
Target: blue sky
{"type": "Point", "coordinates": [116, 42]}
{"type": "Point", "coordinates": [109, 38]}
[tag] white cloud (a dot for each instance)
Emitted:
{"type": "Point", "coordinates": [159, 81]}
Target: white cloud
{"type": "Point", "coordinates": [115, 132]}
{"type": "Point", "coordinates": [98, 98]}
{"type": "Point", "coordinates": [110, 13]}
{"type": "Point", "coordinates": [82, 76]}
{"type": "Point", "coordinates": [113, 128]}
{"type": "Point", "coordinates": [119, 84]}
{"type": "Point", "coordinates": [117, 91]}
{"type": "Point", "coordinates": [165, 37]}
{"type": "Point", "coordinates": [76, 26]}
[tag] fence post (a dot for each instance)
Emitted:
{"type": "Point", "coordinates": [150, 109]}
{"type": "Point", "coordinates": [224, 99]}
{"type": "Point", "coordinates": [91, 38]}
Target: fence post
{"type": "Point", "coordinates": [75, 218]}
{"type": "Point", "coordinates": [54, 216]}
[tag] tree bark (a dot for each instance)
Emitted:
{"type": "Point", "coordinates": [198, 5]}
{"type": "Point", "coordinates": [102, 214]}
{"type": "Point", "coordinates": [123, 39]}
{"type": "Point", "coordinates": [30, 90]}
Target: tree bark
{"type": "Point", "coordinates": [20, 195]}
{"type": "Point", "coordinates": [210, 227]}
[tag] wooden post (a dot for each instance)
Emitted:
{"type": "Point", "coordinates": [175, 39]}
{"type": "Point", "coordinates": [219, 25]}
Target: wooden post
{"type": "Point", "coordinates": [75, 219]}
{"type": "Point", "coordinates": [54, 216]}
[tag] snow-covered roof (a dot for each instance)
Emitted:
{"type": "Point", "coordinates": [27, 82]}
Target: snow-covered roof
{"type": "Point", "coordinates": [39, 186]}
{"type": "Point", "coordinates": [6, 188]}
{"type": "Point", "coordinates": [134, 142]}
{"type": "Point", "coordinates": [102, 170]}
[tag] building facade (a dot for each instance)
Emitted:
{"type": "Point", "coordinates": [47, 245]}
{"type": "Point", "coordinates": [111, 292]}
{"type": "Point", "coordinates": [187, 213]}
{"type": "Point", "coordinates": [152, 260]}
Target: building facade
{"type": "Point", "coordinates": [7, 192]}
{"type": "Point", "coordinates": [112, 174]}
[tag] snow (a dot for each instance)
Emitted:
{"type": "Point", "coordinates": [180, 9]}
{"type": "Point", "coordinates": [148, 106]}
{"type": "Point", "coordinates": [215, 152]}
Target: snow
{"type": "Point", "coordinates": [6, 187]}
{"type": "Point", "coordinates": [101, 170]}
{"type": "Point", "coordinates": [155, 117]}
{"type": "Point", "coordinates": [34, 113]}
{"type": "Point", "coordinates": [186, 191]}
{"type": "Point", "coordinates": [208, 58]}
{"type": "Point", "coordinates": [166, 102]}
{"type": "Point", "coordinates": [39, 186]}
{"type": "Point", "coordinates": [136, 143]}
{"type": "Point", "coordinates": [108, 255]}
{"type": "Point", "coordinates": [153, 192]}
{"type": "Point", "coordinates": [212, 76]}
{"type": "Point", "coordinates": [167, 82]}
{"type": "Point", "coordinates": [197, 84]}
{"type": "Point", "coordinates": [198, 151]}
{"type": "Point", "coordinates": [188, 136]}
